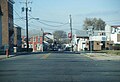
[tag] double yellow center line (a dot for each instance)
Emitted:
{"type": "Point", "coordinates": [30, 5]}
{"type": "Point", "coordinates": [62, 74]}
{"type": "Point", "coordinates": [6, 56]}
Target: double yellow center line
{"type": "Point", "coordinates": [46, 56]}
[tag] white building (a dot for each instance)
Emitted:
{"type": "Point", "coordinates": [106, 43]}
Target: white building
{"type": "Point", "coordinates": [80, 39]}
{"type": "Point", "coordinates": [108, 31]}
{"type": "Point", "coordinates": [113, 33]}
{"type": "Point", "coordinates": [99, 39]}
{"type": "Point", "coordinates": [115, 36]}
{"type": "Point", "coordinates": [95, 41]}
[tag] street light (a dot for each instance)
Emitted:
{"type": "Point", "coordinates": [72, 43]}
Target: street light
{"type": "Point", "coordinates": [34, 18]}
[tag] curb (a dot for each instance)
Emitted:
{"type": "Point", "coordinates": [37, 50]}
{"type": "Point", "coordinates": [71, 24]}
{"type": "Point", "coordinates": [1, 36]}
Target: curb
{"type": "Point", "coordinates": [6, 57]}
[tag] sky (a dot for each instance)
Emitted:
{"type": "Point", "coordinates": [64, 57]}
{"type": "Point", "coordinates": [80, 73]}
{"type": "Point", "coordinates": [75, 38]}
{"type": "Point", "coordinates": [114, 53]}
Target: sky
{"type": "Point", "coordinates": [54, 14]}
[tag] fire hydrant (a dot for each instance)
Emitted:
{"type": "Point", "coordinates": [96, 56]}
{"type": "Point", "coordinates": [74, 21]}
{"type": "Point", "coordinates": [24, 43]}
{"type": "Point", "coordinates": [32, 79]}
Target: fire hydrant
{"type": "Point", "coordinates": [15, 50]}
{"type": "Point", "coordinates": [7, 53]}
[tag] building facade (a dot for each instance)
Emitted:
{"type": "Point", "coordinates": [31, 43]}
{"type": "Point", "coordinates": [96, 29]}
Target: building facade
{"type": "Point", "coordinates": [17, 37]}
{"type": "Point", "coordinates": [115, 36]}
{"type": "Point", "coordinates": [36, 43]}
{"type": "Point", "coordinates": [113, 33]}
{"type": "Point", "coordinates": [7, 23]}
{"type": "Point", "coordinates": [80, 39]}
{"type": "Point", "coordinates": [0, 27]}
{"type": "Point", "coordinates": [97, 41]}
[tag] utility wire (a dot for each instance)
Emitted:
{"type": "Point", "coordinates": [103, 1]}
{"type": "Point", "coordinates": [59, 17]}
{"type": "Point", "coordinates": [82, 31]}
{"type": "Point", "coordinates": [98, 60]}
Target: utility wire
{"type": "Point", "coordinates": [48, 20]}
{"type": "Point", "coordinates": [45, 27]}
{"type": "Point", "coordinates": [53, 25]}
{"type": "Point", "coordinates": [40, 21]}
{"type": "Point", "coordinates": [17, 14]}
{"type": "Point", "coordinates": [51, 21]}
{"type": "Point", "coordinates": [40, 28]}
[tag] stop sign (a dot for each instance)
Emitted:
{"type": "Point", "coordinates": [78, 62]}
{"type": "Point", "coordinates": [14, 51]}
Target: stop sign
{"type": "Point", "coordinates": [69, 35]}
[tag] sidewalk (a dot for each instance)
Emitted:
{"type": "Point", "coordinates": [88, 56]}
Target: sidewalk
{"type": "Point", "coordinates": [4, 56]}
{"type": "Point", "coordinates": [102, 56]}
{"type": "Point", "coordinates": [13, 55]}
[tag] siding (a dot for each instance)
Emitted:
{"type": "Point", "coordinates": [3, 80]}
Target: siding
{"type": "Point", "coordinates": [118, 37]}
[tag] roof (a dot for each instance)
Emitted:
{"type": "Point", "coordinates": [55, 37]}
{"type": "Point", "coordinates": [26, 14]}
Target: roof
{"type": "Point", "coordinates": [85, 33]}
{"type": "Point", "coordinates": [16, 26]}
{"type": "Point", "coordinates": [81, 33]}
{"type": "Point", "coordinates": [115, 26]}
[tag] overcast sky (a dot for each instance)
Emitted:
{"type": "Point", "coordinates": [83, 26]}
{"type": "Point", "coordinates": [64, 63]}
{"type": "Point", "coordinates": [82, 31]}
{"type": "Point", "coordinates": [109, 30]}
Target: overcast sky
{"type": "Point", "coordinates": [54, 13]}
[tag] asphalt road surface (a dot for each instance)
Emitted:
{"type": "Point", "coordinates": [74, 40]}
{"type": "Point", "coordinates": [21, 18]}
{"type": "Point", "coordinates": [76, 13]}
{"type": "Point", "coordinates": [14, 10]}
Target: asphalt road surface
{"type": "Point", "coordinates": [58, 67]}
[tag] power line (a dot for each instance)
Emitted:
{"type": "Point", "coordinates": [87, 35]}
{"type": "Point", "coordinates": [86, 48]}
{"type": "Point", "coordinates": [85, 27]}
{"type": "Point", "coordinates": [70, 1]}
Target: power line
{"type": "Point", "coordinates": [43, 27]}
{"type": "Point", "coordinates": [18, 15]}
{"type": "Point", "coordinates": [49, 21]}
{"type": "Point", "coordinates": [41, 21]}
{"type": "Point", "coordinates": [53, 25]}
{"type": "Point", "coordinates": [52, 21]}
{"type": "Point", "coordinates": [20, 18]}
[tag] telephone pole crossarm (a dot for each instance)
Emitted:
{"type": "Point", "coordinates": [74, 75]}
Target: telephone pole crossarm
{"type": "Point", "coordinates": [26, 9]}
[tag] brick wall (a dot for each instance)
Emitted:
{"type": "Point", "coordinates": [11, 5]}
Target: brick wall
{"type": "Point", "coordinates": [5, 32]}
{"type": "Point", "coordinates": [7, 23]}
{"type": "Point", "coordinates": [0, 27]}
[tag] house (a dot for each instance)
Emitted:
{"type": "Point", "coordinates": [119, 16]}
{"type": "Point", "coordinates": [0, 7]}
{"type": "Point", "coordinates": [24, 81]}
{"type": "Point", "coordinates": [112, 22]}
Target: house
{"type": "Point", "coordinates": [17, 37]}
{"type": "Point", "coordinates": [80, 39]}
{"type": "Point", "coordinates": [24, 44]}
{"type": "Point", "coordinates": [36, 42]}
{"type": "Point", "coordinates": [0, 27]}
{"type": "Point", "coordinates": [93, 40]}
{"type": "Point", "coordinates": [115, 36]}
{"type": "Point", "coordinates": [113, 33]}
{"type": "Point", "coordinates": [7, 23]}
{"type": "Point", "coordinates": [39, 41]}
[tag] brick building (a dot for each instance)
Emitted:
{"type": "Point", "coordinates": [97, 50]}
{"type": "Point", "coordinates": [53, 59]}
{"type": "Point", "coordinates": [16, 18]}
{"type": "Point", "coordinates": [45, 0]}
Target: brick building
{"type": "Point", "coordinates": [0, 26]}
{"type": "Point", "coordinates": [7, 23]}
{"type": "Point", "coordinates": [17, 37]}
{"type": "Point", "coordinates": [36, 42]}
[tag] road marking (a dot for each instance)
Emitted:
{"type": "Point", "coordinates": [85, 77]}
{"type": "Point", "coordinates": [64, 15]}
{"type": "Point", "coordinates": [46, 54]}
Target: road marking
{"type": "Point", "coordinates": [46, 56]}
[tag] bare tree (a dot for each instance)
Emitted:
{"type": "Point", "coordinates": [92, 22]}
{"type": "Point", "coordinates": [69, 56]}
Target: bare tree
{"type": "Point", "coordinates": [59, 35]}
{"type": "Point", "coordinates": [98, 24]}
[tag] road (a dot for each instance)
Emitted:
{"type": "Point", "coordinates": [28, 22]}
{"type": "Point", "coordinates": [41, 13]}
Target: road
{"type": "Point", "coordinates": [58, 67]}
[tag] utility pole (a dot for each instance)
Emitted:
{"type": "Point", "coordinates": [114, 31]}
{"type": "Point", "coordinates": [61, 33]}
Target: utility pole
{"type": "Point", "coordinates": [71, 30]}
{"type": "Point", "coordinates": [27, 25]}
{"type": "Point", "coordinates": [43, 39]}
{"type": "Point", "coordinates": [26, 10]}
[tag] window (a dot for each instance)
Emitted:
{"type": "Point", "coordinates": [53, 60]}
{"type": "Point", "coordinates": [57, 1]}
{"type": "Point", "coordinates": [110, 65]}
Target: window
{"type": "Point", "coordinates": [87, 43]}
{"type": "Point", "coordinates": [97, 43]}
{"type": "Point", "coordinates": [38, 39]}
{"type": "Point", "coordinates": [34, 39]}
